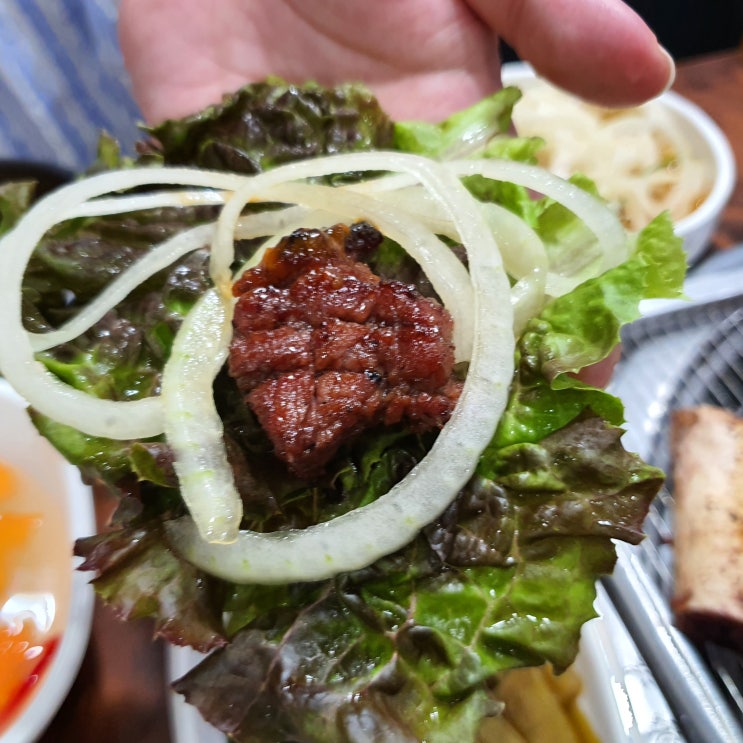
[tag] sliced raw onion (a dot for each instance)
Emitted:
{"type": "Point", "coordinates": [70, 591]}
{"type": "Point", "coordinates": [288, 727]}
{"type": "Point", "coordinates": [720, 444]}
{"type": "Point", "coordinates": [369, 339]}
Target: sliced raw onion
{"type": "Point", "coordinates": [362, 536]}
{"type": "Point", "coordinates": [605, 225]}
{"type": "Point", "coordinates": [158, 258]}
{"type": "Point", "coordinates": [97, 417]}
{"type": "Point", "coordinates": [524, 253]}
{"type": "Point", "coordinates": [193, 428]}
{"type": "Point", "coordinates": [416, 202]}
{"type": "Point", "coordinates": [525, 260]}
{"type": "Point", "coordinates": [186, 410]}
{"type": "Point", "coordinates": [413, 166]}
{"type": "Point", "coordinates": [612, 245]}
{"type": "Point", "coordinates": [104, 207]}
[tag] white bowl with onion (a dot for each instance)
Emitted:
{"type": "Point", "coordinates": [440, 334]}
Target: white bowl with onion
{"type": "Point", "coordinates": [665, 155]}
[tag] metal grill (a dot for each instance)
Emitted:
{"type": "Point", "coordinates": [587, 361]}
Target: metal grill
{"type": "Point", "coordinates": [675, 359]}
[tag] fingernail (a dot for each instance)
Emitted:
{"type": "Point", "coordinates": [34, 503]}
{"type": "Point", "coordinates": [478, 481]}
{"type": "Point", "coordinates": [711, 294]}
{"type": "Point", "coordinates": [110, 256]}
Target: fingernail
{"type": "Point", "coordinates": [671, 70]}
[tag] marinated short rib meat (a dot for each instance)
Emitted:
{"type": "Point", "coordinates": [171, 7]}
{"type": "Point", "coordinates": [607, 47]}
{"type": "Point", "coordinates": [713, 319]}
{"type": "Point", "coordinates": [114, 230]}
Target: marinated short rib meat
{"type": "Point", "coordinates": [324, 349]}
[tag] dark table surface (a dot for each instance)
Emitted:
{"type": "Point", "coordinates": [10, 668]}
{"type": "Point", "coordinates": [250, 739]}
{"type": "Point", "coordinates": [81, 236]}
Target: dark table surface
{"type": "Point", "coordinates": [121, 693]}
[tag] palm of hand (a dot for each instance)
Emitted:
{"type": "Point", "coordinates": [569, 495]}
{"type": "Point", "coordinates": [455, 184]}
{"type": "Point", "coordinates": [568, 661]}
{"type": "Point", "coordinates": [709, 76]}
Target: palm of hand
{"type": "Point", "coordinates": [421, 57]}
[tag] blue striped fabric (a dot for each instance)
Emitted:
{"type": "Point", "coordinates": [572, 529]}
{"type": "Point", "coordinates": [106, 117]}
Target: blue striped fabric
{"type": "Point", "coordinates": [62, 81]}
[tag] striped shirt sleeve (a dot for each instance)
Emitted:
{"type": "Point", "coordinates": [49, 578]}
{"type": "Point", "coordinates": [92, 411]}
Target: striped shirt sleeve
{"type": "Point", "coordinates": [62, 81]}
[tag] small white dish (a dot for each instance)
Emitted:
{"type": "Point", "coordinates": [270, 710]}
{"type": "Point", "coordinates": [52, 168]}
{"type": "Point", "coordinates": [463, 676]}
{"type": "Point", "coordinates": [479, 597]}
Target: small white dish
{"type": "Point", "coordinates": [22, 447]}
{"type": "Point", "coordinates": [706, 142]}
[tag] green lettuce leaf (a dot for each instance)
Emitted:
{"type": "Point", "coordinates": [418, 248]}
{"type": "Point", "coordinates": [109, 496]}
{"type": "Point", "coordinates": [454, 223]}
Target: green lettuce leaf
{"type": "Point", "coordinates": [481, 130]}
{"type": "Point", "coordinates": [581, 328]}
{"type": "Point", "coordinates": [270, 123]}
{"type": "Point", "coordinates": [408, 648]}
{"type": "Point", "coordinates": [15, 198]}
{"type": "Point", "coordinates": [140, 577]}
{"type": "Point", "coordinates": [326, 679]}
{"type": "Point", "coordinates": [464, 133]}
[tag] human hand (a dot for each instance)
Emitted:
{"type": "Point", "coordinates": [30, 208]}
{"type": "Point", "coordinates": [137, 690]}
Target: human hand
{"type": "Point", "coordinates": [423, 58]}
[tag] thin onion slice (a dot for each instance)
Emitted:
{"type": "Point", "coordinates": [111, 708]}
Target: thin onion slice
{"type": "Point", "coordinates": [358, 538]}
{"type": "Point", "coordinates": [129, 419]}
{"type": "Point", "coordinates": [612, 242]}
{"type": "Point", "coordinates": [158, 258]}
{"type": "Point", "coordinates": [418, 203]}
{"type": "Point", "coordinates": [105, 207]}
{"type": "Point", "coordinates": [193, 428]}
{"type": "Point", "coordinates": [523, 252]}
{"type": "Point", "coordinates": [605, 225]}
{"type": "Point", "coordinates": [525, 259]}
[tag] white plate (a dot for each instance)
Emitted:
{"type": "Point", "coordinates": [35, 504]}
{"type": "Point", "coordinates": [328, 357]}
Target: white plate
{"type": "Point", "coordinates": [27, 451]}
{"type": "Point", "coordinates": [620, 698]}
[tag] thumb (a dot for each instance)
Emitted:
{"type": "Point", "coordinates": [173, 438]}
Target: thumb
{"type": "Point", "coordinates": [600, 50]}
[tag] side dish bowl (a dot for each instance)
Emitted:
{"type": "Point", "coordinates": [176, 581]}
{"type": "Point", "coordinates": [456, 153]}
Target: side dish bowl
{"type": "Point", "coordinates": [692, 130]}
{"type": "Point", "coordinates": [24, 452]}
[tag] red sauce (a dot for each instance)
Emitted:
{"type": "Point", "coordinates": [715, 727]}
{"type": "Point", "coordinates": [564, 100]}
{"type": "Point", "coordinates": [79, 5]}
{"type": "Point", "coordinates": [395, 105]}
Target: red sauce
{"type": "Point", "coordinates": [29, 610]}
{"type": "Point", "coordinates": [24, 656]}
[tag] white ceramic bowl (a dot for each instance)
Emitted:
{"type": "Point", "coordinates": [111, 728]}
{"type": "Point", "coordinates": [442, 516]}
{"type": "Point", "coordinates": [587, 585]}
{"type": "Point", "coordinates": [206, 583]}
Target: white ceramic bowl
{"type": "Point", "coordinates": [26, 451]}
{"type": "Point", "coordinates": [707, 142]}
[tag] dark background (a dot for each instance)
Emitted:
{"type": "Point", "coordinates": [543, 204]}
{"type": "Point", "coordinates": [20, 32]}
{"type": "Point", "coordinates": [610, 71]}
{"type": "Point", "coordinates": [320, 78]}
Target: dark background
{"type": "Point", "coordinates": [687, 28]}
{"type": "Point", "coordinates": [690, 27]}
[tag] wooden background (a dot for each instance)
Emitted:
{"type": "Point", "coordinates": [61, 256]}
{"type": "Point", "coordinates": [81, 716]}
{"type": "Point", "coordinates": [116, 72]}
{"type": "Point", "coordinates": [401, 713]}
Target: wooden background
{"type": "Point", "coordinates": [716, 84]}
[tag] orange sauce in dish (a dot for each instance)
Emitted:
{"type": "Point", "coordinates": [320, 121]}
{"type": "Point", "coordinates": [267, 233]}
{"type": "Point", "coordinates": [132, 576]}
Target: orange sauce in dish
{"type": "Point", "coordinates": [35, 579]}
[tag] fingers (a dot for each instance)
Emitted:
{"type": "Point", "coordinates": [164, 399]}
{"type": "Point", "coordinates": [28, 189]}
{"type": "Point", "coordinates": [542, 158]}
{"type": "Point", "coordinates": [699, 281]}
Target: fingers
{"type": "Point", "coordinates": [599, 374]}
{"type": "Point", "coordinates": [600, 50]}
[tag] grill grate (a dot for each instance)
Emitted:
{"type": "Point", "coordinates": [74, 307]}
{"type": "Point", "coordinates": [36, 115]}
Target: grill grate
{"type": "Point", "coordinates": [678, 359]}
